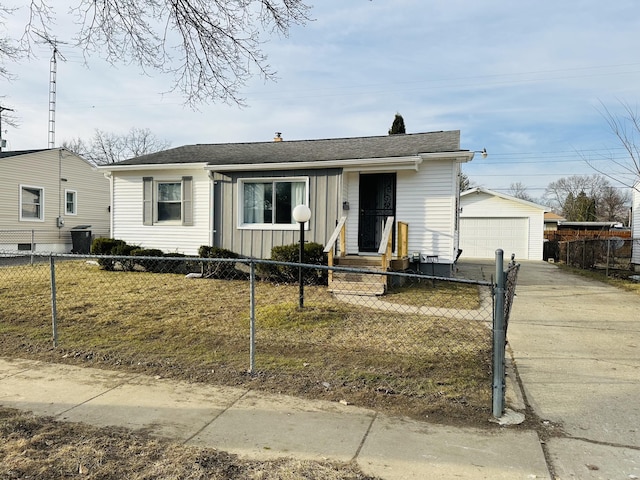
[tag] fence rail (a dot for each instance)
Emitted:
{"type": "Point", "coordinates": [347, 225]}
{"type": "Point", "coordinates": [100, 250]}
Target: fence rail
{"type": "Point", "coordinates": [426, 341]}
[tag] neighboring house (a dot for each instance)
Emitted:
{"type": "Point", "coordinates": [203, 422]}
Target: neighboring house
{"type": "Point", "coordinates": [490, 220]}
{"type": "Point", "coordinates": [551, 221]}
{"type": "Point", "coordinates": [635, 226]}
{"type": "Point", "coordinates": [588, 229]}
{"type": "Point", "coordinates": [45, 193]}
{"type": "Point", "coordinates": [240, 196]}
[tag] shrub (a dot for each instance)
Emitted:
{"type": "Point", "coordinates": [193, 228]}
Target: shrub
{"type": "Point", "coordinates": [157, 266]}
{"type": "Point", "coordinates": [106, 246]}
{"type": "Point", "coordinates": [313, 254]}
{"type": "Point", "coordinates": [218, 269]}
{"type": "Point", "coordinates": [190, 264]}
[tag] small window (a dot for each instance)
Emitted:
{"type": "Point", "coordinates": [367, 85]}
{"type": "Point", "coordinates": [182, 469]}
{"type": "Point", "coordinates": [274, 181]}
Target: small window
{"type": "Point", "coordinates": [31, 203]}
{"type": "Point", "coordinates": [269, 203]}
{"type": "Point", "coordinates": [169, 201]}
{"type": "Point", "coordinates": [71, 202]}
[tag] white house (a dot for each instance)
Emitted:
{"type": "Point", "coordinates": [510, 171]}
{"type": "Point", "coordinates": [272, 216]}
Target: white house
{"type": "Point", "coordinates": [635, 226]}
{"type": "Point", "coordinates": [240, 196]}
{"type": "Point", "coordinates": [45, 194]}
{"type": "Point", "coordinates": [490, 220]}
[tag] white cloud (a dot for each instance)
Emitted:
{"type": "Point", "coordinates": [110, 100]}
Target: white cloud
{"type": "Point", "coordinates": [515, 78]}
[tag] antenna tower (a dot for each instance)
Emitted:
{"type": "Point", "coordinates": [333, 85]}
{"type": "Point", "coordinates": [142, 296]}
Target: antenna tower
{"type": "Point", "coordinates": [53, 70]}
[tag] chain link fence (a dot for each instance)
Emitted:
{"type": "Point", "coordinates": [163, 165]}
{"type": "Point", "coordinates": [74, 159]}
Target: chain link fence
{"type": "Point", "coordinates": [612, 256]}
{"type": "Point", "coordinates": [424, 346]}
{"type": "Point", "coordinates": [17, 240]}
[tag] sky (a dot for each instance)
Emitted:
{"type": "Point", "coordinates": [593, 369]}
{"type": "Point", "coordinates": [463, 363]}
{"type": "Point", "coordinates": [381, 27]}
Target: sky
{"type": "Point", "coordinates": [528, 81]}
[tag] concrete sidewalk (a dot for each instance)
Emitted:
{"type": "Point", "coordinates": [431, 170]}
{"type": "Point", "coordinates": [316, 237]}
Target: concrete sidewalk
{"type": "Point", "coordinates": [262, 426]}
{"type": "Point", "coordinates": [576, 344]}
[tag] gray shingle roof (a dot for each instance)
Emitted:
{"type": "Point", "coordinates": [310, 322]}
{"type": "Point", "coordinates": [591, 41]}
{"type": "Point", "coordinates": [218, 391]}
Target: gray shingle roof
{"type": "Point", "coordinates": [305, 150]}
{"type": "Point", "coordinates": [16, 153]}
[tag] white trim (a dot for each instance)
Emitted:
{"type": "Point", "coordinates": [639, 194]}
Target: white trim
{"type": "Point", "coordinates": [461, 156]}
{"type": "Point", "coordinates": [393, 163]}
{"type": "Point", "coordinates": [75, 202]}
{"type": "Point", "coordinates": [156, 200]}
{"type": "Point", "coordinates": [152, 166]}
{"type": "Point", "coordinates": [390, 163]}
{"type": "Point", "coordinates": [503, 196]}
{"type": "Point", "coordinates": [268, 226]}
{"type": "Point", "coordinates": [33, 187]}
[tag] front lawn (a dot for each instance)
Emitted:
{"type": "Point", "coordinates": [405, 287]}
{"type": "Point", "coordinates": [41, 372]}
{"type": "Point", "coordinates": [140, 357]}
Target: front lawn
{"type": "Point", "coordinates": [199, 329]}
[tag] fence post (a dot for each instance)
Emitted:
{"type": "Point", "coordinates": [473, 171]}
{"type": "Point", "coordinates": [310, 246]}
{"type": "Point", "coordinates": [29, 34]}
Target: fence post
{"type": "Point", "coordinates": [608, 253]}
{"type": "Point", "coordinates": [54, 307]}
{"type": "Point", "coordinates": [499, 338]}
{"type": "Point", "coordinates": [252, 317]}
{"type": "Point", "coordinates": [33, 242]}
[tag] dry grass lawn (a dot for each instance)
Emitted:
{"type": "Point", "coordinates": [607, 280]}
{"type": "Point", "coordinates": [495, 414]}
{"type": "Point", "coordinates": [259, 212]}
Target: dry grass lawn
{"type": "Point", "coordinates": [198, 330]}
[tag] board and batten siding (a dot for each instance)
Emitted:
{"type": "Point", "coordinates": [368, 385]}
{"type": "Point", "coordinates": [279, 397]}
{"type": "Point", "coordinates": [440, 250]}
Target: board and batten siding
{"type": "Point", "coordinates": [127, 212]}
{"type": "Point", "coordinates": [425, 200]}
{"type": "Point", "coordinates": [484, 205]}
{"type": "Point", "coordinates": [324, 185]}
{"type": "Point", "coordinates": [54, 171]}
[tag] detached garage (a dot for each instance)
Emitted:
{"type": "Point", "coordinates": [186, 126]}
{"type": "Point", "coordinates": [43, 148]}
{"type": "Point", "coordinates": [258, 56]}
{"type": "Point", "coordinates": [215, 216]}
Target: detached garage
{"type": "Point", "coordinates": [490, 220]}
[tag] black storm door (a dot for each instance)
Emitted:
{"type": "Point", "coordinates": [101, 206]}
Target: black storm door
{"type": "Point", "coordinates": [377, 202]}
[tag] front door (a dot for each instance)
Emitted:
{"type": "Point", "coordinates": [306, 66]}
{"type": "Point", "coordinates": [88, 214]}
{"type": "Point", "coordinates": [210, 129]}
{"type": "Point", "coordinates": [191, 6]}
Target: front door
{"type": "Point", "coordinates": [377, 202]}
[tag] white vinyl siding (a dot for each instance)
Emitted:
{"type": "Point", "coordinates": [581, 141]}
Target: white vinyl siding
{"type": "Point", "coordinates": [129, 210]}
{"type": "Point", "coordinates": [635, 225]}
{"type": "Point", "coordinates": [425, 200]}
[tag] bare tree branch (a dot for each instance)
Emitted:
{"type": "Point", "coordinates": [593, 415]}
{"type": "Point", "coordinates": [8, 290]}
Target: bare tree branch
{"type": "Point", "coordinates": [626, 128]}
{"type": "Point", "coordinates": [519, 190]}
{"type": "Point", "coordinates": [611, 204]}
{"type": "Point", "coordinates": [108, 147]}
{"type": "Point", "coordinates": [209, 48]}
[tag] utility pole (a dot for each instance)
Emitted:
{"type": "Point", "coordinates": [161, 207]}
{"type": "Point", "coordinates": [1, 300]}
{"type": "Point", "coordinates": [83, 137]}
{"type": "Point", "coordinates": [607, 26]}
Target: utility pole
{"type": "Point", "coordinates": [2, 140]}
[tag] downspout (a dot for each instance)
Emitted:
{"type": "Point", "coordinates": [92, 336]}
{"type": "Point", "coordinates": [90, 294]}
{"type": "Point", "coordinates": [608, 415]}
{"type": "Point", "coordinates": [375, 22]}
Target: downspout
{"type": "Point", "coordinates": [109, 176]}
{"type": "Point", "coordinates": [212, 219]}
{"type": "Point", "coordinates": [59, 217]}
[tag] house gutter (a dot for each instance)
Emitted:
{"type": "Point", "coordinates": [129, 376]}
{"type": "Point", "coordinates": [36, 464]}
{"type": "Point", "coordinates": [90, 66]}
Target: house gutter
{"type": "Point", "coordinates": [412, 162]}
{"type": "Point", "coordinates": [461, 156]}
{"type": "Point", "coordinates": [360, 164]}
{"type": "Point", "coordinates": [150, 166]}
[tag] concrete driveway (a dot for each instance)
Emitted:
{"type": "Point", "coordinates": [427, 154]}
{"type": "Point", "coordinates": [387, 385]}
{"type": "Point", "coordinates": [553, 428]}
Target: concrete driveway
{"type": "Point", "coordinates": [576, 347]}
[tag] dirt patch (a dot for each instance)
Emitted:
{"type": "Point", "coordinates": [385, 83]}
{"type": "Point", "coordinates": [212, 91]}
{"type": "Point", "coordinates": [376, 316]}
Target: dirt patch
{"type": "Point", "coordinates": [436, 403]}
{"type": "Point", "coordinates": [40, 447]}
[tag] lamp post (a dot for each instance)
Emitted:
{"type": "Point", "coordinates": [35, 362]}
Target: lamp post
{"type": "Point", "coordinates": [301, 214]}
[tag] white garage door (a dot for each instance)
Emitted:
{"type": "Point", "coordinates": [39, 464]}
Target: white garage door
{"type": "Point", "coordinates": [481, 237]}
